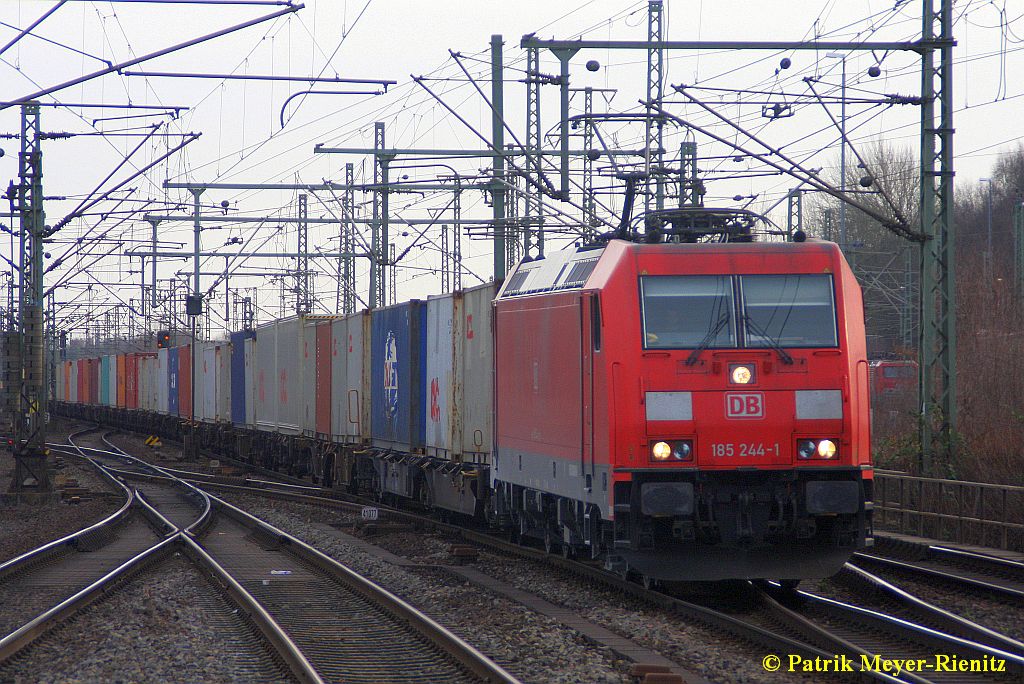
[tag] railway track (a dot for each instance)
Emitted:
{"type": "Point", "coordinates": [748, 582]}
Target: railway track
{"type": "Point", "coordinates": [867, 635]}
{"type": "Point", "coordinates": [820, 628]}
{"type": "Point", "coordinates": [338, 620]}
{"type": "Point", "coordinates": [55, 572]}
{"type": "Point", "coordinates": [900, 603]}
{"type": "Point", "coordinates": [963, 570]}
{"type": "Point", "coordinates": [120, 555]}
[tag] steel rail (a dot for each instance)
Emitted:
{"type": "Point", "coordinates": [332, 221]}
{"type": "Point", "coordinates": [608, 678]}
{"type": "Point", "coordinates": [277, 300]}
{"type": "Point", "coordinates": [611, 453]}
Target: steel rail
{"type": "Point", "coordinates": [257, 614]}
{"type": "Point", "coordinates": [32, 630]}
{"type": "Point", "coordinates": [738, 627]}
{"type": "Point", "coordinates": [435, 633]}
{"type": "Point", "coordinates": [912, 568]}
{"type": "Point", "coordinates": [932, 640]}
{"type": "Point", "coordinates": [449, 643]}
{"type": "Point", "coordinates": [69, 541]}
{"type": "Point", "coordinates": [279, 641]}
{"type": "Point", "coordinates": [816, 640]}
{"type": "Point", "coordinates": [947, 620]}
{"type": "Point", "coordinates": [207, 515]}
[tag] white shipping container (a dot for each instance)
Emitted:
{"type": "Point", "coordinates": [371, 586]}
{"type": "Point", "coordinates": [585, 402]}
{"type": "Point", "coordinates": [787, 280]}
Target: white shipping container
{"type": "Point", "coordinates": [265, 375]}
{"type": "Point", "coordinates": [250, 382]}
{"type": "Point", "coordinates": [440, 415]}
{"type": "Point", "coordinates": [224, 382]}
{"type": "Point", "coordinates": [350, 378]}
{"type": "Point", "coordinates": [290, 348]}
{"type": "Point", "coordinates": [73, 383]}
{"type": "Point", "coordinates": [476, 360]}
{"type": "Point", "coordinates": [207, 401]}
{"type": "Point", "coordinates": [153, 383]}
{"type": "Point", "coordinates": [340, 429]}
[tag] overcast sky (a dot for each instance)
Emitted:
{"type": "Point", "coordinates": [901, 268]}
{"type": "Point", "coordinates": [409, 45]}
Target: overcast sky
{"type": "Point", "coordinates": [243, 141]}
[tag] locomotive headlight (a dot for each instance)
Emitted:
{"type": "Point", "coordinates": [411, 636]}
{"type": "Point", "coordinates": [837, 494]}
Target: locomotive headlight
{"type": "Point", "coordinates": [741, 374]}
{"type": "Point", "coordinates": [660, 451]}
{"type": "Point", "coordinates": [805, 448]}
{"type": "Point", "coordinates": [826, 448]}
{"type": "Point", "coordinates": [682, 450]}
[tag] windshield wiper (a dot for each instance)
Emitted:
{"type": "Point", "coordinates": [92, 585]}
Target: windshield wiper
{"type": "Point", "coordinates": [706, 342]}
{"type": "Point", "coordinates": [772, 342]}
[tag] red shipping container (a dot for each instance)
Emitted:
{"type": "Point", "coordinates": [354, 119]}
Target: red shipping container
{"type": "Point", "coordinates": [323, 378]}
{"type": "Point", "coordinates": [185, 381]}
{"type": "Point", "coordinates": [122, 381]}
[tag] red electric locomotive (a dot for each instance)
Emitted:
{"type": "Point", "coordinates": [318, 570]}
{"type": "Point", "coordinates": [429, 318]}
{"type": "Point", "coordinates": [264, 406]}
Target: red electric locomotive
{"type": "Point", "coordinates": [893, 377]}
{"type": "Point", "coordinates": [687, 411]}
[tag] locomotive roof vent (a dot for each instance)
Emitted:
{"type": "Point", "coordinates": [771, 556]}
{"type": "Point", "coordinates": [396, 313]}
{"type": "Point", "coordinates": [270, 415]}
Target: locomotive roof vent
{"type": "Point", "coordinates": [562, 270]}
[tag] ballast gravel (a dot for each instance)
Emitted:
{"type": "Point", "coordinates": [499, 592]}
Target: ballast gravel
{"type": "Point", "coordinates": [718, 659]}
{"type": "Point", "coordinates": [165, 625]}
{"type": "Point", "coordinates": [532, 647]}
{"type": "Point", "coordinates": [28, 525]}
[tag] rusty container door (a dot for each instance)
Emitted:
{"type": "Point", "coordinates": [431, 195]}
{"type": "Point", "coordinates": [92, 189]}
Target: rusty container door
{"type": "Point", "coordinates": [306, 388]}
{"type": "Point", "coordinates": [324, 368]}
{"type": "Point", "coordinates": [185, 381]}
{"type": "Point", "coordinates": [121, 368]}
{"type": "Point", "coordinates": [131, 381]}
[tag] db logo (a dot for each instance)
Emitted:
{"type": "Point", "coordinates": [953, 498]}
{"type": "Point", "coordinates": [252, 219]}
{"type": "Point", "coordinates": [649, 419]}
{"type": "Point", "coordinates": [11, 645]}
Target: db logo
{"type": "Point", "coordinates": [744, 405]}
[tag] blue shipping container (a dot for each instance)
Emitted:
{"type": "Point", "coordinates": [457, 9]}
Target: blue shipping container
{"type": "Point", "coordinates": [397, 385]}
{"type": "Point", "coordinates": [238, 375]}
{"type": "Point", "coordinates": [172, 382]}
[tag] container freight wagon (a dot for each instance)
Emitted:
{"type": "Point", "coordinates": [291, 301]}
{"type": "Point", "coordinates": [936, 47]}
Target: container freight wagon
{"type": "Point", "coordinates": [459, 389]}
{"type": "Point", "coordinates": [350, 379]}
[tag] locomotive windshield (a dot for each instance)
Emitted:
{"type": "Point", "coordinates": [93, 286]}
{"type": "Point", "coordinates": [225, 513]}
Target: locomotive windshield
{"type": "Point", "coordinates": [688, 312]}
{"type": "Point", "coordinates": [789, 310]}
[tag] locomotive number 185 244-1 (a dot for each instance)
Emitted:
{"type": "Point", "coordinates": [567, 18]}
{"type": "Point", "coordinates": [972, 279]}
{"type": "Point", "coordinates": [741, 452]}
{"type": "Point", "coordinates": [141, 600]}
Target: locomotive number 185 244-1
{"type": "Point", "coordinates": [744, 449]}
